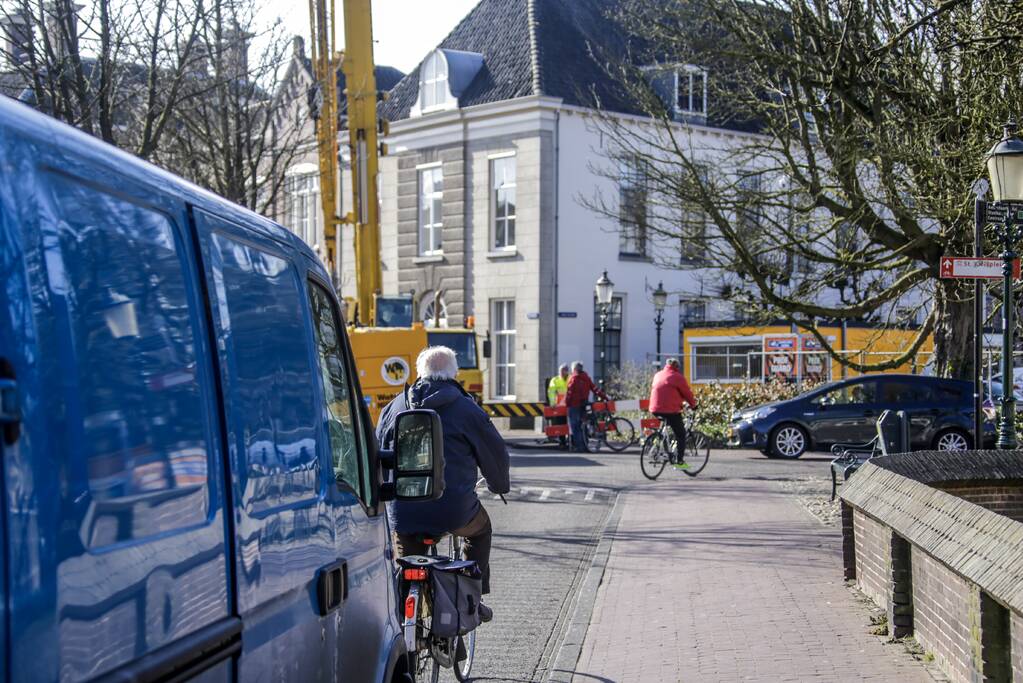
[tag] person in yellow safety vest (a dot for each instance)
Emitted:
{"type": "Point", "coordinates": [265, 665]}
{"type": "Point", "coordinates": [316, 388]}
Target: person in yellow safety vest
{"type": "Point", "coordinates": [557, 388]}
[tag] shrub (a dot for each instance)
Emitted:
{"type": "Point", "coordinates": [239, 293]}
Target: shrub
{"type": "Point", "coordinates": [716, 402]}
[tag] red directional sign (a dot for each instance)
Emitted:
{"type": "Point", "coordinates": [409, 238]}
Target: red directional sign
{"type": "Point", "coordinates": [970, 268]}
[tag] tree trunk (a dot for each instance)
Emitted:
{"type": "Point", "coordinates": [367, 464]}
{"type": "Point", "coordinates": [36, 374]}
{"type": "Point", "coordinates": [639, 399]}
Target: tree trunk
{"type": "Point", "coordinates": [953, 334]}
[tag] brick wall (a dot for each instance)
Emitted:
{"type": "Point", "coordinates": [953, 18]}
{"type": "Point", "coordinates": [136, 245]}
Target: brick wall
{"type": "Point", "coordinates": [1016, 633]}
{"type": "Point", "coordinates": [944, 612]}
{"type": "Point", "coordinates": [873, 557]}
{"type": "Point", "coordinates": [1005, 499]}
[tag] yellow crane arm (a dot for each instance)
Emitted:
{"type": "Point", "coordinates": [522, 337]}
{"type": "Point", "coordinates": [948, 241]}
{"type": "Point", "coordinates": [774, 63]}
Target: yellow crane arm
{"type": "Point", "coordinates": [325, 64]}
{"type": "Point", "coordinates": [361, 96]}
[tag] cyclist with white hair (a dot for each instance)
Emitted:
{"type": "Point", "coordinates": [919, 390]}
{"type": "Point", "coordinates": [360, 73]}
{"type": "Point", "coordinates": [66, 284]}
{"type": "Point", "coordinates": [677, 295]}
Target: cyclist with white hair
{"type": "Point", "coordinates": [470, 441]}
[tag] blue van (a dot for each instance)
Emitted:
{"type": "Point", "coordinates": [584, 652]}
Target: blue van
{"type": "Point", "coordinates": [190, 483]}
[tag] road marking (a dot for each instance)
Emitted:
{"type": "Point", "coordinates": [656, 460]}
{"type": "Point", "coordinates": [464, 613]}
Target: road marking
{"type": "Point", "coordinates": [590, 494]}
{"type": "Point", "coordinates": [569, 492]}
{"type": "Point", "coordinates": [546, 494]}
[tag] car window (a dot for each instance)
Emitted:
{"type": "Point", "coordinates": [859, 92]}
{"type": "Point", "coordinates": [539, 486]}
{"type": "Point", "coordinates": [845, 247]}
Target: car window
{"type": "Point", "coordinates": [948, 393]}
{"type": "Point", "coordinates": [860, 392]}
{"type": "Point", "coordinates": [903, 392]}
{"type": "Point", "coordinates": [337, 396]}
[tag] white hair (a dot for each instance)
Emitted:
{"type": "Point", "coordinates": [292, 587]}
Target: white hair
{"type": "Point", "coordinates": [437, 362]}
{"type": "Point", "coordinates": [576, 366]}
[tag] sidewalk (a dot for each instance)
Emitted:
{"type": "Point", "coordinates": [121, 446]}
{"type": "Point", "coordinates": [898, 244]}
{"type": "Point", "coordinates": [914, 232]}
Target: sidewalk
{"type": "Point", "coordinates": [728, 580]}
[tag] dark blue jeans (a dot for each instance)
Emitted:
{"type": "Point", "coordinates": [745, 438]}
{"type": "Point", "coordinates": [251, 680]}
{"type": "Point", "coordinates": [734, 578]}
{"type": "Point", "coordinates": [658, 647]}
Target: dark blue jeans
{"type": "Point", "coordinates": [575, 426]}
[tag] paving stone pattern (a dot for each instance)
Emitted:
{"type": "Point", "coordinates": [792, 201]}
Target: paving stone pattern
{"type": "Point", "coordinates": [730, 580]}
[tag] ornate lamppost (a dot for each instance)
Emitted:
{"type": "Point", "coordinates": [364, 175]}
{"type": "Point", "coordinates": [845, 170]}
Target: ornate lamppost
{"type": "Point", "coordinates": [1005, 166]}
{"type": "Point", "coordinates": [660, 301]}
{"type": "Point", "coordinates": [605, 290]}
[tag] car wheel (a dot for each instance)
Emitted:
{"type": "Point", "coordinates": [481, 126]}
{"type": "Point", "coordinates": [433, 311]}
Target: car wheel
{"type": "Point", "coordinates": [788, 441]}
{"type": "Point", "coordinates": [952, 440]}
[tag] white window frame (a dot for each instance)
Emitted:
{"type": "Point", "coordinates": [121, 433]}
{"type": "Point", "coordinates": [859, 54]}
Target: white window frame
{"type": "Point", "coordinates": [690, 71]}
{"type": "Point", "coordinates": [432, 81]}
{"type": "Point", "coordinates": [633, 177]}
{"type": "Point", "coordinates": [495, 219]}
{"type": "Point", "coordinates": [500, 318]}
{"type": "Point", "coordinates": [429, 226]}
{"type": "Point", "coordinates": [303, 201]}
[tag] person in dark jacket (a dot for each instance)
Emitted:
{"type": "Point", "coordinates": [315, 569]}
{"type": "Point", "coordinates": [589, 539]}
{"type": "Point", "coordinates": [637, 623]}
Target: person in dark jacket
{"type": "Point", "coordinates": [578, 396]}
{"type": "Point", "coordinates": [470, 441]}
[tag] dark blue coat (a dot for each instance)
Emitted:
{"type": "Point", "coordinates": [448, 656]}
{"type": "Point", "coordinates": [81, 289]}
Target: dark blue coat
{"type": "Point", "coordinates": [470, 441]}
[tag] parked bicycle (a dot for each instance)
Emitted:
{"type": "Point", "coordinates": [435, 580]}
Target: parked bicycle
{"type": "Point", "coordinates": [602, 427]}
{"type": "Point", "coordinates": [659, 450]}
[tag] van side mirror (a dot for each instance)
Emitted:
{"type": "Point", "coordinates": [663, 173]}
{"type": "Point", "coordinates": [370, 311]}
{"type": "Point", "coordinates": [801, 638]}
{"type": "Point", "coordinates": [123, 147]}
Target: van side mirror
{"type": "Point", "coordinates": [418, 457]}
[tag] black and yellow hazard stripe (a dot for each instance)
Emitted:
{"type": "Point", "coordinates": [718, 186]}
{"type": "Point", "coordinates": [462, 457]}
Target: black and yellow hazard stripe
{"type": "Point", "coordinates": [514, 409]}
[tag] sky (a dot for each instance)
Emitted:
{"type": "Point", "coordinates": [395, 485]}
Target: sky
{"type": "Point", "coordinates": [403, 30]}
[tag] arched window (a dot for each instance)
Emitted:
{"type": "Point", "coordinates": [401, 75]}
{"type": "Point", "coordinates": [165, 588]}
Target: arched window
{"type": "Point", "coordinates": [434, 92]}
{"type": "Point", "coordinates": [428, 309]}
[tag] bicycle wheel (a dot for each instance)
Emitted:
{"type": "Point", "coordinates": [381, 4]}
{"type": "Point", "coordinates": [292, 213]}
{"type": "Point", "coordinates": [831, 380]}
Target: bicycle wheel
{"type": "Point", "coordinates": [697, 452]}
{"type": "Point", "coordinates": [621, 436]}
{"type": "Point", "coordinates": [464, 667]}
{"type": "Point", "coordinates": [652, 459]}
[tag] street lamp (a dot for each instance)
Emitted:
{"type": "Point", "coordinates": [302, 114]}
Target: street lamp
{"type": "Point", "coordinates": [1005, 166]}
{"type": "Point", "coordinates": [605, 290]}
{"type": "Point", "coordinates": [660, 301]}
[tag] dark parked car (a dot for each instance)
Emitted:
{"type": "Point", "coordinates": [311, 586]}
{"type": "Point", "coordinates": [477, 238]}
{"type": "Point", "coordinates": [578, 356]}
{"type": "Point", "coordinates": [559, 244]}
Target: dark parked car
{"type": "Point", "coordinates": [940, 412]}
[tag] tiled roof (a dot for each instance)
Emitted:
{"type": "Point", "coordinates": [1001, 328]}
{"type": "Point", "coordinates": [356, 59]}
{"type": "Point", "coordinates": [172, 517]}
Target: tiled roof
{"type": "Point", "coordinates": [531, 47]}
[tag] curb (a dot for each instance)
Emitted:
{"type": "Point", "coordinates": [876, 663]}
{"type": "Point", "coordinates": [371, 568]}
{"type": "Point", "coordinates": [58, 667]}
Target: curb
{"type": "Point", "coordinates": [563, 663]}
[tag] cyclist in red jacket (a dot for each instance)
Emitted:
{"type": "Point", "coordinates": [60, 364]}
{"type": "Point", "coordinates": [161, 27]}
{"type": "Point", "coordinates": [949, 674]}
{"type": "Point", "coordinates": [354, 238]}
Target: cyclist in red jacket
{"type": "Point", "coordinates": [667, 394]}
{"type": "Point", "coordinates": [578, 395]}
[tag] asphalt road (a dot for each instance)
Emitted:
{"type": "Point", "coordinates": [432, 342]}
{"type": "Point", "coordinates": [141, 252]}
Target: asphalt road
{"type": "Point", "coordinates": [545, 537]}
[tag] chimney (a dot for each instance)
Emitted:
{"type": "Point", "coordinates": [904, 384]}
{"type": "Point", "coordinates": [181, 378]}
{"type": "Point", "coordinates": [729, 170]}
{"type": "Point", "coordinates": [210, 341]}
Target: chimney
{"type": "Point", "coordinates": [58, 23]}
{"type": "Point", "coordinates": [236, 53]}
{"type": "Point", "coordinates": [17, 30]}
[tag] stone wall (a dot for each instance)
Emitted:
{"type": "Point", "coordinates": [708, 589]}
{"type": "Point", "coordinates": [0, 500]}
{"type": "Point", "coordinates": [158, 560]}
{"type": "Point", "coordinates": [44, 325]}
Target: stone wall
{"type": "Point", "coordinates": [873, 557]}
{"type": "Point", "coordinates": [943, 556]}
{"type": "Point", "coordinates": [1003, 498]}
{"type": "Point", "coordinates": [941, 615]}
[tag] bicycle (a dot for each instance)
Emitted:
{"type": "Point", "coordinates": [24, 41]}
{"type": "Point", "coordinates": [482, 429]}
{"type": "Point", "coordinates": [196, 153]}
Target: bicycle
{"type": "Point", "coordinates": [659, 449]}
{"type": "Point", "coordinates": [601, 426]}
{"type": "Point", "coordinates": [420, 642]}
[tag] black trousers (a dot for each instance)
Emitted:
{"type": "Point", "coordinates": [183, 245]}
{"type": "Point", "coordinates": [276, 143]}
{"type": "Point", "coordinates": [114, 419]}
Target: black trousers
{"type": "Point", "coordinates": [476, 540]}
{"type": "Point", "coordinates": [674, 420]}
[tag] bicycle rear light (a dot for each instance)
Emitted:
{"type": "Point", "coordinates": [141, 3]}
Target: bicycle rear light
{"type": "Point", "coordinates": [410, 607]}
{"type": "Point", "coordinates": [415, 574]}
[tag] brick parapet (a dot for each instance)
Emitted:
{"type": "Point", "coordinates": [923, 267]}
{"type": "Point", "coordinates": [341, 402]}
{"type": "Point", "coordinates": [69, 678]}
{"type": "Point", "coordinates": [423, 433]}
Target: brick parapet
{"type": "Point", "coordinates": [944, 558]}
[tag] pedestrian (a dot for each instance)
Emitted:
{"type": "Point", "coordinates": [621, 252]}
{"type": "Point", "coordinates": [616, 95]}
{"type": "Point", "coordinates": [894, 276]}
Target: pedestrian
{"type": "Point", "coordinates": [577, 397]}
{"type": "Point", "coordinates": [668, 392]}
{"type": "Point", "coordinates": [556, 390]}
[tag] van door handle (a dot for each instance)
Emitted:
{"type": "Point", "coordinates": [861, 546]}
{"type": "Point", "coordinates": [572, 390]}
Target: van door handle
{"type": "Point", "coordinates": [332, 586]}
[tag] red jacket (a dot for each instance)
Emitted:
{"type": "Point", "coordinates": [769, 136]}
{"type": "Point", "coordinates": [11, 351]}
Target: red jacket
{"type": "Point", "coordinates": [579, 387]}
{"type": "Point", "coordinates": [668, 392]}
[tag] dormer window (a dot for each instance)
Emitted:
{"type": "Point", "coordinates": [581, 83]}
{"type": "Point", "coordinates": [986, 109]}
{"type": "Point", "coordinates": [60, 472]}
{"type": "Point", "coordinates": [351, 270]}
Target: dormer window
{"type": "Point", "coordinates": [682, 88]}
{"type": "Point", "coordinates": [691, 91]}
{"type": "Point", "coordinates": [433, 83]}
{"type": "Point", "coordinates": [443, 79]}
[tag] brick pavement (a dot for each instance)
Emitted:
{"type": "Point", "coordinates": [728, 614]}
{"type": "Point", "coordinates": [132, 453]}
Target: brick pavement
{"type": "Point", "coordinates": [728, 580]}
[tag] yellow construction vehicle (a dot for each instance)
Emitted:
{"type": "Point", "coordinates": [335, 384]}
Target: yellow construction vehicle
{"type": "Point", "coordinates": [385, 352]}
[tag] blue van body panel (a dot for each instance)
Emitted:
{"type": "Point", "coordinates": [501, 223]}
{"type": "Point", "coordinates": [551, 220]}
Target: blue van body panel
{"type": "Point", "coordinates": [174, 468]}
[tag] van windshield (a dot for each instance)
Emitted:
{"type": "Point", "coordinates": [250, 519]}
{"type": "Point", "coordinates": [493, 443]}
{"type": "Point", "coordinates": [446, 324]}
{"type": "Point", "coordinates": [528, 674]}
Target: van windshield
{"type": "Point", "coordinates": [462, 343]}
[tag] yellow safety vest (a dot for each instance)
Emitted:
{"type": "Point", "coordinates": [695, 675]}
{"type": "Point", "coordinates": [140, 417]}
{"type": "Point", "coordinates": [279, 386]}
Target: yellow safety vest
{"type": "Point", "coordinates": [556, 390]}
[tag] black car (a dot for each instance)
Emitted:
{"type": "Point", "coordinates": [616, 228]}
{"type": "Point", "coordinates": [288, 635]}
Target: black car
{"type": "Point", "coordinates": [940, 412]}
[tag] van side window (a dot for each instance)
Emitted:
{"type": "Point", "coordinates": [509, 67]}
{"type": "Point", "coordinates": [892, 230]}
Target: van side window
{"type": "Point", "coordinates": [136, 418]}
{"type": "Point", "coordinates": [340, 415]}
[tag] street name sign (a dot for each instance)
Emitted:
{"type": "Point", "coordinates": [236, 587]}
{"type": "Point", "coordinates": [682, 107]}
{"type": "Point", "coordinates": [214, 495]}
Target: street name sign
{"type": "Point", "coordinates": [971, 268]}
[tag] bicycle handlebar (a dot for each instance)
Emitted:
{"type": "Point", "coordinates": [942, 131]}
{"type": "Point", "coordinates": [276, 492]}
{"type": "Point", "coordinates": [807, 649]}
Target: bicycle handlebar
{"type": "Point", "coordinates": [483, 480]}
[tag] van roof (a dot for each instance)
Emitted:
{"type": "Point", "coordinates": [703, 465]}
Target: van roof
{"type": "Point", "coordinates": [25, 120]}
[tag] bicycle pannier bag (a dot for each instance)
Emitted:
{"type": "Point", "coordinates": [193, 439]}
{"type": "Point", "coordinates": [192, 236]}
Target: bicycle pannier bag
{"type": "Point", "coordinates": [457, 587]}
